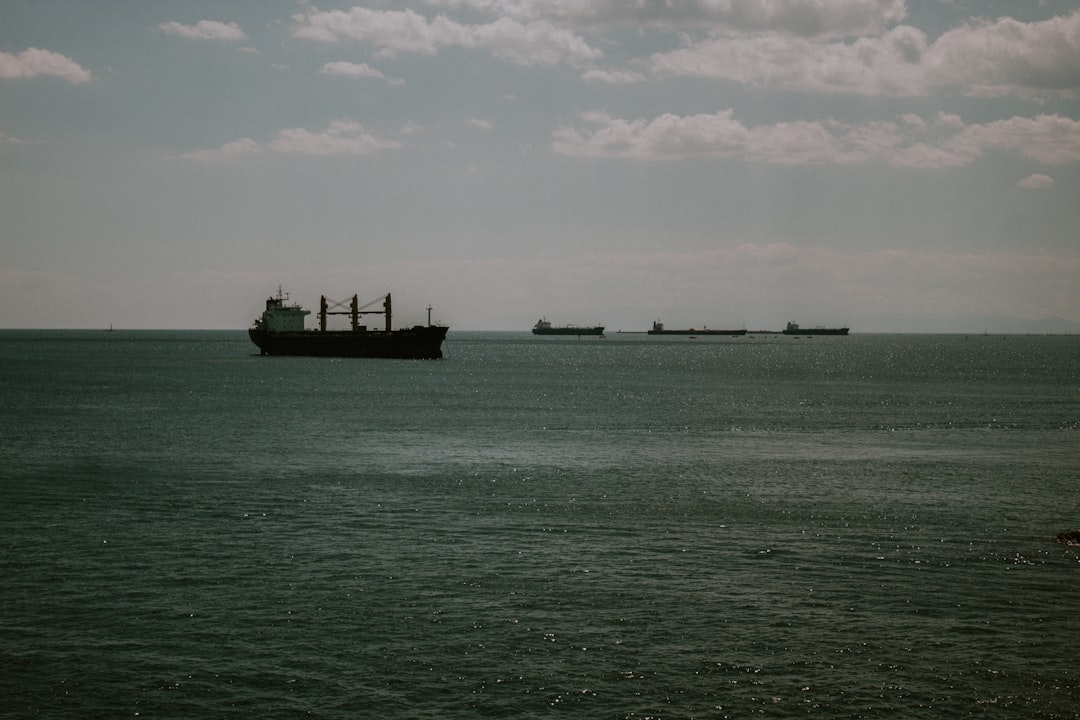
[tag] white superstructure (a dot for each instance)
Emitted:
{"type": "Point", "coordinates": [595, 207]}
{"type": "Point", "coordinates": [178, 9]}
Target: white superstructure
{"type": "Point", "coordinates": [280, 316]}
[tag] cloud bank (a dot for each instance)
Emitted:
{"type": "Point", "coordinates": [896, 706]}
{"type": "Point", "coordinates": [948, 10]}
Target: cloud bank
{"type": "Point", "coordinates": [340, 137]}
{"type": "Point", "coordinates": [394, 32]}
{"type": "Point", "coordinates": [905, 142]}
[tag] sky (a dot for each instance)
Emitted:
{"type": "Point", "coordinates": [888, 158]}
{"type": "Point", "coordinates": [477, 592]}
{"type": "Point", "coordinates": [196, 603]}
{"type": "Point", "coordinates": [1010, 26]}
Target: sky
{"type": "Point", "coordinates": [891, 166]}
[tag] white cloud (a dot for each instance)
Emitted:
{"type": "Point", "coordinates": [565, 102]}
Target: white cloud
{"type": "Point", "coordinates": [357, 70]}
{"type": "Point", "coordinates": [228, 151]}
{"type": "Point", "coordinates": [981, 58]}
{"type": "Point", "coordinates": [612, 77]}
{"type": "Point", "coordinates": [668, 136]}
{"type": "Point", "coordinates": [834, 18]}
{"type": "Point", "coordinates": [914, 120]}
{"type": "Point", "coordinates": [341, 137]}
{"type": "Point", "coordinates": [348, 69]}
{"type": "Point", "coordinates": [949, 120]}
{"type": "Point", "coordinates": [1035, 181]}
{"type": "Point", "coordinates": [840, 46]}
{"type": "Point", "coordinates": [392, 31]}
{"type": "Point", "coordinates": [405, 31]}
{"type": "Point", "coordinates": [33, 62]}
{"type": "Point", "coordinates": [538, 43]}
{"type": "Point", "coordinates": [887, 65]}
{"type": "Point", "coordinates": [479, 124]}
{"type": "Point", "coordinates": [204, 30]}
{"type": "Point", "coordinates": [927, 156]}
{"type": "Point", "coordinates": [1048, 139]}
{"type": "Point", "coordinates": [1010, 57]}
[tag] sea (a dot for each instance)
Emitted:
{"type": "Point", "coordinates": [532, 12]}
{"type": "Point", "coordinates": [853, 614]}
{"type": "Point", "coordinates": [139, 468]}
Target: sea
{"type": "Point", "coordinates": [625, 527]}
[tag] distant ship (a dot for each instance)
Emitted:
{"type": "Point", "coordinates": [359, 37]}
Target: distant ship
{"type": "Point", "coordinates": [794, 329]}
{"type": "Point", "coordinates": [543, 327]}
{"type": "Point", "coordinates": [280, 331]}
{"type": "Point", "coordinates": [658, 329]}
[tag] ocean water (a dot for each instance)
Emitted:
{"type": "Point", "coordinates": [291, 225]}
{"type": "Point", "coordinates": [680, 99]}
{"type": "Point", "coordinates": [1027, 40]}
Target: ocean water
{"type": "Point", "coordinates": [628, 527]}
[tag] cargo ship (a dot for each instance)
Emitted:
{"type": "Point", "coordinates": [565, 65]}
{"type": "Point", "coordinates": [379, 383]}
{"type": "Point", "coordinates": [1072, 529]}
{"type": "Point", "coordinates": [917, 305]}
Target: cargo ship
{"type": "Point", "coordinates": [543, 327]}
{"type": "Point", "coordinates": [280, 331]}
{"type": "Point", "coordinates": [794, 329]}
{"type": "Point", "coordinates": [659, 329]}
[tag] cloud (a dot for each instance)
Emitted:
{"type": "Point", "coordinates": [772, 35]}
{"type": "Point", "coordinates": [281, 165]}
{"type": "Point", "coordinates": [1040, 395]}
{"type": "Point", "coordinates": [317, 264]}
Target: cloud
{"type": "Point", "coordinates": [354, 70]}
{"type": "Point", "coordinates": [228, 151]}
{"type": "Point", "coordinates": [33, 62]}
{"type": "Point", "coordinates": [1048, 139]}
{"type": "Point", "coordinates": [667, 136]}
{"type": "Point", "coordinates": [537, 43]}
{"type": "Point", "coordinates": [612, 77]}
{"type": "Point", "coordinates": [854, 47]}
{"type": "Point", "coordinates": [886, 65]}
{"type": "Point", "coordinates": [341, 137]}
{"type": "Point", "coordinates": [394, 32]}
{"type": "Point", "coordinates": [911, 142]}
{"type": "Point", "coordinates": [479, 124]}
{"type": "Point", "coordinates": [1035, 181]}
{"type": "Point", "coordinates": [348, 69]}
{"type": "Point", "coordinates": [204, 30]}
{"type": "Point", "coordinates": [1005, 57]}
{"type": "Point", "coordinates": [835, 18]}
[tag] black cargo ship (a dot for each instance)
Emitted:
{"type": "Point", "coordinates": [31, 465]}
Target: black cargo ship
{"type": "Point", "coordinates": [543, 327]}
{"type": "Point", "coordinates": [794, 329]}
{"type": "Point", "coordinates": [280, 331]}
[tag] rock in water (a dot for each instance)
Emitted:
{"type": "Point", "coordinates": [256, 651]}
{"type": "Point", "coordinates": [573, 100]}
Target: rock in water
{"type": "Point", "coordinates": [1069, 538]}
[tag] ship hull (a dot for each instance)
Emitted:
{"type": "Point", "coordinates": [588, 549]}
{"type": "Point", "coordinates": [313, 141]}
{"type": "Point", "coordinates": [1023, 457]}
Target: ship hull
{"type": "Point", "coordinates": [599, 330]}
{"type": "Point", "coordinates": [697, 332]}
{"type": "Point", "coordinates": [817, 331]}
{"type": "Point", "coordinates": [416, 343]}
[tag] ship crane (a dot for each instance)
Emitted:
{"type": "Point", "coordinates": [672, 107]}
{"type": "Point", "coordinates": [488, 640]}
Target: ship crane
{"type": "Point", "coordinates": [354, 311]}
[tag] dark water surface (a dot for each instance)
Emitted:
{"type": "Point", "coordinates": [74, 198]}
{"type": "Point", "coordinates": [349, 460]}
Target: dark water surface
{"type": "Point", "coordinates": [630, 527]}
